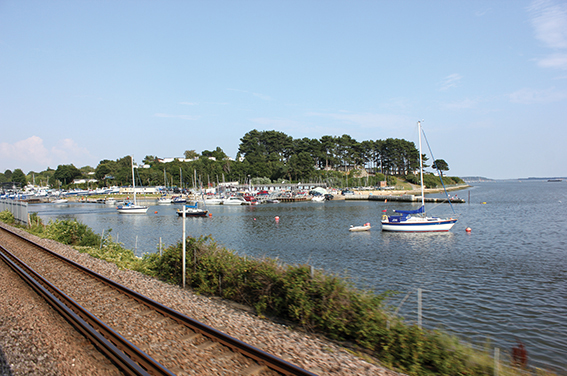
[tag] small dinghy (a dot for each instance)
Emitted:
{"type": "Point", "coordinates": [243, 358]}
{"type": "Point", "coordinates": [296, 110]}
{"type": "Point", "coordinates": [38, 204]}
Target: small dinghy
{"type": "Point", "coordinates": [364, 227]}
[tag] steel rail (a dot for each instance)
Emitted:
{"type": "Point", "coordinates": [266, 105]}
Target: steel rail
{"type": "Point", "coordinates": [124, 354]}
{"type": "Point", "coordinates": [262, 357]}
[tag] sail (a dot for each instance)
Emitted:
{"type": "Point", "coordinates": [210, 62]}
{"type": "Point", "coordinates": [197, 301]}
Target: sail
{"type": "Point", "coordinates": [416, 211]}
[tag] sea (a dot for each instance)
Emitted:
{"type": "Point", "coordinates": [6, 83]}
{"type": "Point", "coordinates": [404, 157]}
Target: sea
{"type": "Point", "coordinates": [499, 284]}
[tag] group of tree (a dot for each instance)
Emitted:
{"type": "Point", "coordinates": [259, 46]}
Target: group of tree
{"type": "Point", "coordinates": [263, 156]}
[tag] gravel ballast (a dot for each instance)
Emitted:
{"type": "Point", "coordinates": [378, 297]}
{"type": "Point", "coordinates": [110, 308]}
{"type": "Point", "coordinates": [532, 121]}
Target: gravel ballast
{"type": "Point", "coordinates": [36, 341]}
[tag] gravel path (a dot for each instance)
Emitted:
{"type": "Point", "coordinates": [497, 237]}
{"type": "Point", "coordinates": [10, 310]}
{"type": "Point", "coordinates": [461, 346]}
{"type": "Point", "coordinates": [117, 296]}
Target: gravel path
{"type": "Point", "coordinates": [35, 341]}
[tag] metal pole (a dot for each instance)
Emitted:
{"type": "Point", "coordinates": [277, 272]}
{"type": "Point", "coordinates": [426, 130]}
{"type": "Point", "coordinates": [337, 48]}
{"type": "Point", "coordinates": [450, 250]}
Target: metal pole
{"type": "Point", "coordinates": [419, 307]}
{"type": "Point", "coordinates": [160, 253]}
{"type": "Point", "coordinates": [496, 361]}
{"type": "Point", "coordinates": [184, 247]}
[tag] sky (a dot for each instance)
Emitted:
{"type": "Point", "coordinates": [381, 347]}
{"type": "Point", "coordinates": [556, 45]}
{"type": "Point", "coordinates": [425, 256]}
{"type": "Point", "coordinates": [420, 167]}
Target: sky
{"type": "Point", "coordinates": [84, 81]}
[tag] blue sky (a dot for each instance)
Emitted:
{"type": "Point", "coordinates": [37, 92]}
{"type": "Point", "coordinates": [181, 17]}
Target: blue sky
{"type": "Point", "coordinates": [82, 81]}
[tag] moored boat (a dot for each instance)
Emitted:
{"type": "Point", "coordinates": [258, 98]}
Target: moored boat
{"type": "Point", "coordinates": [416, 220]}
{"type": "Point", "coordinates": [235, 200]}
{"type": "Point", "coordinates": [132, 207]}
{"type": "Point", "coordinates": [192, 211]}
{"type": "Point", "coordinates": [164, 200]}
{"type": "Point", "coordinates": [364, 227]}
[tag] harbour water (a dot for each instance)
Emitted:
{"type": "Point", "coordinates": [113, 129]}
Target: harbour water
{"type": "Point", "coordinates": [505, 281]}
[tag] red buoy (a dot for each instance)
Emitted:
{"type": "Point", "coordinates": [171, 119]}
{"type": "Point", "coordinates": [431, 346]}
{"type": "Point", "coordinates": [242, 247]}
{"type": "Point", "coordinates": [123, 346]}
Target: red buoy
{"type": "Point", "coordinates": [468, 229]}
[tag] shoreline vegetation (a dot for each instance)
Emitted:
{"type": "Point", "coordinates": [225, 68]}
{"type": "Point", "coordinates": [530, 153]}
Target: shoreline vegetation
{"type": "Point", "coordinates": [305, 298]}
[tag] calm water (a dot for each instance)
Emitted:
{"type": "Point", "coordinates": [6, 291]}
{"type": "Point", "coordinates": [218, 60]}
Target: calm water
{"type": "Point", "coordinates": [506, 280]}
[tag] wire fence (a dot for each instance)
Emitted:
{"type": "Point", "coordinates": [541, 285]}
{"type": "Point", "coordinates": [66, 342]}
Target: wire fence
{"type": "Point", "coordinates": [504, 361]}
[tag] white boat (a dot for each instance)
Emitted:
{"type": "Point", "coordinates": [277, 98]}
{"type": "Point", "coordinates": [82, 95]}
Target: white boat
{"type": "Point", "coordinates": [235, 200]}
{"type": "Point", "coordinates": [59, 201]}
{"type": "Point", "coordinates": [416, 220]}
{"type": "Point", "coordinates": [318, 198]}
{"type": "Point", "coordinates": [178, 200]}
{"type": "Point", "coordinates": [132, 207]}
{"type": "Point", "coordinates": [213, 201]}
{"type": "Point", "coordinates": [364, 227]}
{"type": "Point", "coordinates": [164, 200]}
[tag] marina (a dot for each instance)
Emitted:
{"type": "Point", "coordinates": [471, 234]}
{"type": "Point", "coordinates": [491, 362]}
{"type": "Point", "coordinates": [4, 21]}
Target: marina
{"type": "Point", "coordinates": [504, 281]}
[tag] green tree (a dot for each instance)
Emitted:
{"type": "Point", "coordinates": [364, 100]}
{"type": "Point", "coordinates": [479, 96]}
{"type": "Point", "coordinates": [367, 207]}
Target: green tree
{"type": "Point", "coordinates": [150, 160]}
{"type": "Point", "coordinates": [67, 173]}
{"type": "Point", "coordinates": [8, 175]}
{"type": "Point", "coordinates": [441, 165]}
{"type": "Point", "coordinates": [301, 166]}
{"type": "Point", "coordinates": [191, 154]}
{"type": "Point", "coordinates": [19, 177]}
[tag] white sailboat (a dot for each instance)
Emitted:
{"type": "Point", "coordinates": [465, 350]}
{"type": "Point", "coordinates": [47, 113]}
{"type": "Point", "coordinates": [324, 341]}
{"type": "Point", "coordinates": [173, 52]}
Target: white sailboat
{"type": "Point", "coordinates": [132, 207]}
{"type": "Point", "coordinates": [416, 220]}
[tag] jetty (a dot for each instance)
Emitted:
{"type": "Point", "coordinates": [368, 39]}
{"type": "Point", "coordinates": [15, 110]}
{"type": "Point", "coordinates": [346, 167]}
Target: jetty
{"type": "Point", "coordinates": [403, 198]}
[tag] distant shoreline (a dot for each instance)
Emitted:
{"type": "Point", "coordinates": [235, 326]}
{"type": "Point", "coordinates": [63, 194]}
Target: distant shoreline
{"type": "Point", "coordinates": [415, 191]}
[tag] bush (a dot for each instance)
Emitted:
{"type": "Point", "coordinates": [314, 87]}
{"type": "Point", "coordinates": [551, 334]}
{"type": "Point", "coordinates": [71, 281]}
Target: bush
{"type": "Point", "coordinates": [71, 232]}
{"type": "Point", "coordinates": [7, 217]}
{"type": "Point", "coordinates": [309, 298]}
{"type": "Point", "coordinates": [314, 301]}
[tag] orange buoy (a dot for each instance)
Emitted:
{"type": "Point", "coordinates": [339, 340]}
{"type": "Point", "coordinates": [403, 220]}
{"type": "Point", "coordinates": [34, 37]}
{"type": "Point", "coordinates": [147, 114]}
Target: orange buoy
{"type": "Point", "coordinates": [155, 212]}
{"type": "Point", "coordinates": [468, 229]}
{"type": "Point", "coordinates": [210, 215]}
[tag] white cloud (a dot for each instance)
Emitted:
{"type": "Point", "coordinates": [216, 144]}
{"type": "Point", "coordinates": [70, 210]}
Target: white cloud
{"type": "Point", "coordinates": [482, 12]}
{"type": "Point", "coordinates": [69, 150]}
{"type": "Point", "coordinates": [549, 21]}
{"type": "Point", "coordinates": [451, 81]}
{"type": "Point", "coordinates": [531, 96]}
{"type": "Point", "coordinates": [32, 154]}
{"type": "Point", "coordinates": [554, 61]}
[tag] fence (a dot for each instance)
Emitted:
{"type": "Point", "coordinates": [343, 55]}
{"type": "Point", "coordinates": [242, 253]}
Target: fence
{"type": "Point", "coordinates": [504, 362]}
{"type": "Point", "coordinates": [18, 208]}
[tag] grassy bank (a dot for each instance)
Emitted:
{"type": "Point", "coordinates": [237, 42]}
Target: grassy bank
{"type": "Point", "coordinates": [310, 299]}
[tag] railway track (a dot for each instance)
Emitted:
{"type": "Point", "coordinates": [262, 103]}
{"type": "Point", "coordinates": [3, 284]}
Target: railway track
{"type": "Point", "coordinates": [139, 335]}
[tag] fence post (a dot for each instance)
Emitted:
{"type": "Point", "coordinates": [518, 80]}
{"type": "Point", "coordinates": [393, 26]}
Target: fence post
{"type": "Point", "coordinates": [101, 239]}
{"type": "Point", "coordinates": [419, 308]}
{"type": "Point", "coordinates": [496, 361]}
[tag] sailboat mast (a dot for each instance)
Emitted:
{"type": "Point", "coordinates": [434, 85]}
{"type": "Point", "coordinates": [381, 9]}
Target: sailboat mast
{"type": "Point", "coordinates": [133, 179]}
{"type": "Point", "coordinates": [421, 167]}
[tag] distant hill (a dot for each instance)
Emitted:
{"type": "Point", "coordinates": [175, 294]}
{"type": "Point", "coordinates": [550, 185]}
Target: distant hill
{"type": "Point", "coordinates": [475, 179]}
{"type": "Point", "coordinates": [553, 178]}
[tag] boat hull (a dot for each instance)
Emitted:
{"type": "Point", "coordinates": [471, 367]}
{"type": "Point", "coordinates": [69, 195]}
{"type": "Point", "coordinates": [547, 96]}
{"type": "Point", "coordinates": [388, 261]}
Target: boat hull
{"type": "Point", "coordinates": [234, 201]}
{"type": "Point", "coordinates": [132, 209]}
{"type": "Point", "coordinates": [359, 228]}
{"type": "Point", "coordinates": [193, 213]}
{"type": "Point", "coordinates": [428, 225]}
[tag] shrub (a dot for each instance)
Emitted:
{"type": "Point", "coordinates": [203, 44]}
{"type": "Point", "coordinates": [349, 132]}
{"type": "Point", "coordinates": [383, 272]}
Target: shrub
{"type": "Point", "coordinates": [71, 232]}
{"type": "Point", "coordinates": [7, 217]}
{"type": "Point", "coordinates": [314, 301]}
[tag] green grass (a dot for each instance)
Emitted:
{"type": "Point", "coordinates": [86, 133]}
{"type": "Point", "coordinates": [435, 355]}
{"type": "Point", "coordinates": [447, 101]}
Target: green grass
{"type": "Point", "coordinates": [311, 300]}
